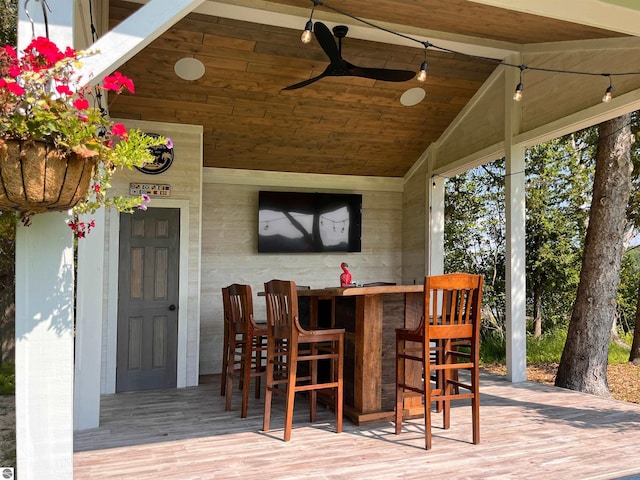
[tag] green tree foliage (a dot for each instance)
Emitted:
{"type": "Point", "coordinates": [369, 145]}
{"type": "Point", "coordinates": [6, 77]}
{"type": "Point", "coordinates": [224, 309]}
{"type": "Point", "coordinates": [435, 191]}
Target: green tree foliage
{"type": "Point", "coordinates": [558, 192]}
{"type": "Point", "coordinates": [628, 290]}
{"type": "Point", "coordinates": [8, 22]}
{"type": "Point", "coordinates": [475, 235]}
{"type": "Point", "coordinates": [558, 179]}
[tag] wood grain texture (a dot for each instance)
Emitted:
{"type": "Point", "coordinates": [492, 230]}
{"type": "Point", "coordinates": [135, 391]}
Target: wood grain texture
{"type": "Point", "coordinates": [339, 125]}
{"type": "Point", "coordinates": [186, 434]}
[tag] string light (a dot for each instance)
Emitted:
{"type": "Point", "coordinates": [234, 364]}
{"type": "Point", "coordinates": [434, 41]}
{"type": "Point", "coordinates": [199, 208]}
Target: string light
{"type": "Point", "coordinates": [608, 94]}
{"type": "Point", "coordinates": [422, 74]}
{"type": "Point", "coordinates": [307, 35]}
{"type": "Point", "coordinates": [518, 93]}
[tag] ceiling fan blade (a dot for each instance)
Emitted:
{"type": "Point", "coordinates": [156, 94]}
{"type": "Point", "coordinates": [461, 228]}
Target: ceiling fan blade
{"type": "Point", "coordinates": [327, 42]}
{"type": "Point", "coordinates": [306, 82]}
{"type": "Point", "coordinates": [384, 74]}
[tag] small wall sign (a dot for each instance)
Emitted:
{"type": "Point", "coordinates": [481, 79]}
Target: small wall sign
{"type": "Point", "coordinates": [151, 189]}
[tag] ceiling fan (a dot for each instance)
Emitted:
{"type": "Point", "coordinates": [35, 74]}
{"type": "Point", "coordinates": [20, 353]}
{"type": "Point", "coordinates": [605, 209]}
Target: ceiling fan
{"type": "Point", "coordinates": [338, 67]}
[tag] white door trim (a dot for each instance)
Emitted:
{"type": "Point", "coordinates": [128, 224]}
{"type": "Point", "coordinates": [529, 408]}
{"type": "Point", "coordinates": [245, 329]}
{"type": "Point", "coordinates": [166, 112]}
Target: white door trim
{"type": "Point", "coordinates": [110, 331]}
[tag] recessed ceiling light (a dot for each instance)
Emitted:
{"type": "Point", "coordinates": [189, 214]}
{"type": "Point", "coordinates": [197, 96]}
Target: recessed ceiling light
{"type": "Point", "coordinates": [189, 68]}
{"type": "Point", "coordinates": [412, 97]}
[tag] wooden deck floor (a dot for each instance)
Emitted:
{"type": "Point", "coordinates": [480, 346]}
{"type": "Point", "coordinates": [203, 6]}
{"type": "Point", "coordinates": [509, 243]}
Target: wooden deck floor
{"type": "Point", "coordinates": [528, 431]}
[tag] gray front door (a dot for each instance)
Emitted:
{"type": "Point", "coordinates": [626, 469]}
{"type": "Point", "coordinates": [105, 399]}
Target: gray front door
{"type": "Point", "coordinates": [148, 299]}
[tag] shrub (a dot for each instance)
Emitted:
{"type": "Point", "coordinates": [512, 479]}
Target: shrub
{"type": "Point", "coordinates": [7, 379]}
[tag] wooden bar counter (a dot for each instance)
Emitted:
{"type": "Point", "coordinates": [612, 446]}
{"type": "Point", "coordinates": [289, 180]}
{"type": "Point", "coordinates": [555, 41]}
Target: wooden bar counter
{"type": "Point", "coordinates": [369, 315]}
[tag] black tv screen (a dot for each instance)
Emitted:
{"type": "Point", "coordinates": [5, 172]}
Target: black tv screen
{"type": "Point", "coordinates": [299, 222]}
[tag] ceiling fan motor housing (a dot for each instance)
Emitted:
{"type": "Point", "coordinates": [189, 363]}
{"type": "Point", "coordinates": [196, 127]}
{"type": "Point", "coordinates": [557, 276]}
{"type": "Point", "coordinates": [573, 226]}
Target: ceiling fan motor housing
{"type": "Point", "coordinates": [340, 31]}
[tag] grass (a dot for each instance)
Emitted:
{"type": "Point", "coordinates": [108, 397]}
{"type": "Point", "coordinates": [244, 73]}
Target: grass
{"type": "Point", "coordinates": [546, 349]}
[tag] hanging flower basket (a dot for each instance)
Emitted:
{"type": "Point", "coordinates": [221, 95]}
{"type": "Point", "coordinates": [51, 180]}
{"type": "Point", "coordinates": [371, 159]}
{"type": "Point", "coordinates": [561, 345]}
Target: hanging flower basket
{"type": "Point", "coordinates": [36, 178]}
{"type": "Point", "coordinates": [43, 96]}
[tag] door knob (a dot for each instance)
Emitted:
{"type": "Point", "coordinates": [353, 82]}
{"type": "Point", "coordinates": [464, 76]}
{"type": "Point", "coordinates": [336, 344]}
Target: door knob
{"type": "Point", "coordinates": [172, 307]}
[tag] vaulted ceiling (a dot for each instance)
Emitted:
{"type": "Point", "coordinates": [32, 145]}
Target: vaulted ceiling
{"type": "Point", "coordinates": [338, 125]}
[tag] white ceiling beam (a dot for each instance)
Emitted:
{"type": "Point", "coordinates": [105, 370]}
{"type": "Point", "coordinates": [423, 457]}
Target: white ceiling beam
{"type": "Point", "coordinates": [592, 44]}
{"type": "Point", "coordinates": [594, 13]}
{"type": "Point", "coordinates": [132, 35]}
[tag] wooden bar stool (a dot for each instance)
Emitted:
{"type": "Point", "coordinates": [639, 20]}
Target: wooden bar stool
{"type": "Point", "coordinates": [290, 345]}
{"type": "Point", "coordinates": [443, 345]}
{"type": "Point", "coordinates": [225, 341]}
{"type": "Point", "coordinates": [247, 346]}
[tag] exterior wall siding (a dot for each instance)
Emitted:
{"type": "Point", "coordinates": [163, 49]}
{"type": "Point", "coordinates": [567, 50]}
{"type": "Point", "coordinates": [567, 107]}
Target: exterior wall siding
{"type": "Point", "coordinates": [229, 251]}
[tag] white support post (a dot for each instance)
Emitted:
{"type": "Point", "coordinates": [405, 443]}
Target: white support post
{"type": "Point", "coordinates": [515, 251]}
{"type": "Point", "coordinates": [44, 308]}
{"type": "Point", "coordinates": [89, 311]}
{"type": "Point", "coordinates": [44, 348]}
{"type": "Point", "coordinates": [435, 247]}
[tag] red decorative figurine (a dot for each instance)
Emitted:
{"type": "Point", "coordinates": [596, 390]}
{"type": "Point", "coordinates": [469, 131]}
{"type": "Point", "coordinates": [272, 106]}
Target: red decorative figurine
{"type": "Point", "coordinates": [345, 276]}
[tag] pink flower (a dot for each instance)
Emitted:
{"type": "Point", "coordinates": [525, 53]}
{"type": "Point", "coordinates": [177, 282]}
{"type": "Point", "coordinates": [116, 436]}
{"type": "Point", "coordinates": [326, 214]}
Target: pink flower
{"type": "Point", "coordinates": [81, 103]}
{"type": "Point", "coordinates": [14, 88]}
{"type": "Point", "coordinates": [81, 229]}
{"type": "Point", "coordinates": [118, 82]}
{"type": "Point", "coordinates": [14, 71]}
{"type": "Point", "coordinates": [119, 130]}
{"type": "Point", "coordinates": [11, 51]}
{"type": "Point", "coordinates": [64, 89]}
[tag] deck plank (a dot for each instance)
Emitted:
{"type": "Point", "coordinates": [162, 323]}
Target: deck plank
{"type": "Point", "coordinates": [528, 431]}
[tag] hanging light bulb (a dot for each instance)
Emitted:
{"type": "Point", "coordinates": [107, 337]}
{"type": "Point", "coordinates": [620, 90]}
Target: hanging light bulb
{"type": "Point", "coordinates": [517, 95]}
{"type": "Point", "coordinates": [307, 35]}
{"type": "Point", "coordinates": [422, 74]}
{"type": "Point", "coordinates": [608, 94]}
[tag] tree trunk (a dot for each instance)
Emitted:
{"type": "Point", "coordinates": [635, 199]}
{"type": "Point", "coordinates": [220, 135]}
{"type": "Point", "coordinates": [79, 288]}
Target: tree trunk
{"type": "Point", "coordinates": [537, 314]}
{"type": "Point", "coordinates": [634, 356]}
{"type": "Point", "coordinates": [583, 365]}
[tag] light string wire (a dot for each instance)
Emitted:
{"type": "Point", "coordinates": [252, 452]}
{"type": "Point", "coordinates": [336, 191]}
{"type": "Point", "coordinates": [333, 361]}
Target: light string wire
{"type": "Point", "coordinates": [577, 151]}
{"type": "Point", "coordinates": [427, 44]}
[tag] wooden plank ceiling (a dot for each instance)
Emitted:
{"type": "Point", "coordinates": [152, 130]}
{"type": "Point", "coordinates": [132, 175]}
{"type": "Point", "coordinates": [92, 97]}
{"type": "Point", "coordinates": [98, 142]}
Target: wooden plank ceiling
{"type": "Point", "coordinates": [338, 125]}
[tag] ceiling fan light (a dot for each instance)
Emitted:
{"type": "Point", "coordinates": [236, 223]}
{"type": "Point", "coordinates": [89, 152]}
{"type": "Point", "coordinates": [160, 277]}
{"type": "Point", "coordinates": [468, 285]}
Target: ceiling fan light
{"type": "Point", "coordinates": [307, 35]}
{"type": "Point", "coordinates": [422, 74]}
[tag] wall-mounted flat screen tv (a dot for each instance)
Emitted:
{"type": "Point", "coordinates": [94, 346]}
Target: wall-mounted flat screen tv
{"type": "Point", "coordinates": [301, 222]}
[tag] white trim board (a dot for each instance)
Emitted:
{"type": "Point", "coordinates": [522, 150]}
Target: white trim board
{"type": "Point", "coordinates": [231, 176]}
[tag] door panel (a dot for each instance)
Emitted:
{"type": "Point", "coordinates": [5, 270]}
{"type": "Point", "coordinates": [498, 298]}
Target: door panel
{"type": "Point", "coordinates": [148, 299]}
